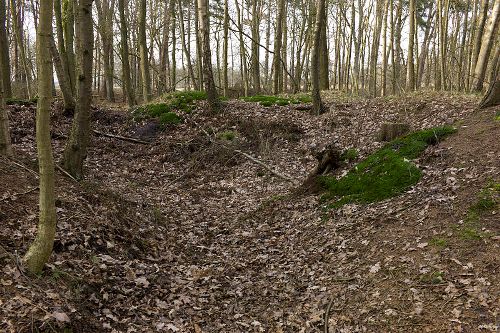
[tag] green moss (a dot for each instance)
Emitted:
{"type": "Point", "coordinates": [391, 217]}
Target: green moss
{"type": "Point", "coordinates": [497, 116]}
{"type": "Point", "coordinates": [385, 173]}
{"type": "Point", "coordinates": [438, 242]}
{"type": "Point", "coordinates": [349, 155]}
{"type": "Point", "coordinates": [227, 135]}
{"type": "Point", "coordinates": [169, 118]}
{"type": "Point", "coordinates": [21, 102]}
{"type": "Point", "coordinates": [178, 101]}
{"type": "Point", "coordinates": [267, 101]}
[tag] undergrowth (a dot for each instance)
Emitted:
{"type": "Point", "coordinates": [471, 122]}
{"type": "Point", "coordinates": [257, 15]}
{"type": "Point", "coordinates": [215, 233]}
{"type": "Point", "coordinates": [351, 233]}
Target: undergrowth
{"type": "Point", "coordinates": [267, 101]}
{"type": "Point", "coordinates": [486, 202]}
{"type": "Point", "coordinates": [180, 101]}
{"type": "Point", "coordinates": [385, 173]}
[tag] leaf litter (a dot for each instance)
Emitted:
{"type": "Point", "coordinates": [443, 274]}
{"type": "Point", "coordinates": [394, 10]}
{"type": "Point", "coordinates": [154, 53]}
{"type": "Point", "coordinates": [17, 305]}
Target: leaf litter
{"type": "Point", "coordinates": [185, 235]}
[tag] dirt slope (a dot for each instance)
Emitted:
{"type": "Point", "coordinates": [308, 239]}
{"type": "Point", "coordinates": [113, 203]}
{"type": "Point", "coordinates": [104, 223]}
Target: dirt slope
{"type": "Point", "coordinates": [185, 235]}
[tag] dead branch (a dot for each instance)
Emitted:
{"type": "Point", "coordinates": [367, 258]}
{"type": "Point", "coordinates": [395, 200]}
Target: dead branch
{"type": "Point", "coordinates": [119, 137]}
{"type": "Point", "coordinates": [19, 194]}
{"type": "Point", "coordinates": [267, 167]}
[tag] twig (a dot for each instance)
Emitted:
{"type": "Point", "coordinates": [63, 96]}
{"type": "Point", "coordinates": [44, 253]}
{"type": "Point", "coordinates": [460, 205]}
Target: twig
{"type": "Point", "coordinates": [24, 167]}
{"type": "Point", "coordinates": [119, 137]}
{"type": "Point", "coordinates": [19, 194]}
{"type": "Point", "coordinates": [66, 172]}
{"type": "Point", "coordinates": [259, 162]}
{"type": "Point", "coordinates": [327, 316]}
{"type": "Point", "coordinates": [250, 157]}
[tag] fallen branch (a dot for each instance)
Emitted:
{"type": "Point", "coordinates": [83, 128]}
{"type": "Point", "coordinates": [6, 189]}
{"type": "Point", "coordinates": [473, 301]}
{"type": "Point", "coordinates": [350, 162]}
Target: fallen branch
{"type": "Point", "coordinates": [19, 194]}
{"type": "Point", "coordinates": [267, 167]}
{"type": "Point", "coordinates": [66, 172]}
{"type": "Point", "coordinates": [119, 137]}
{"type": "Point", "coordinates": [24, 167]}
{"type": "Point", "coordinates": [250, 157]}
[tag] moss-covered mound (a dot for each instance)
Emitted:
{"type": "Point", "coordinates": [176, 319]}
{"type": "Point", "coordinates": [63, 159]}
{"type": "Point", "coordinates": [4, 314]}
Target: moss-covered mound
{"type": "Point", "coordinates": [385, 173]}
{"type": "Point", "coordinates": [181, 101]}
{"type": "Point", "coordinates": [267, 101]}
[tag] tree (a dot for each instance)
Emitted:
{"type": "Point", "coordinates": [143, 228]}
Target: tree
{"type": "Point", "coordinates": [76, 147]}
{"type": "Point", "coordinates": [492, 96]}
{"type": "Point", "coordinates": [410, 75]}
{"type": "Point", "coordinates": [203, 17]}
{"type": "Point", "coordinates": [127, 84]}
{"type": "Point", "coordinates": [486, 45]}
{"type": "Point", "coordinates": [277, 66]}
{"type": "Point", "coordinates": [4, 53]}
{"type": "Point", "coordinates": [5, 147]}
{"type": "Point", "coordinates": [318, 106]}
{"type": "Point", "coordinates": [41, 248]}
{"type": "Point", "coordinates": [143, 49]}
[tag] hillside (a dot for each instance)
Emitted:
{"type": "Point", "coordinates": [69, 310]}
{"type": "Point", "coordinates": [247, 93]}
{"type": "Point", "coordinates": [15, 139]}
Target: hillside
{"type": "Point", "coordinates": [183, 233]}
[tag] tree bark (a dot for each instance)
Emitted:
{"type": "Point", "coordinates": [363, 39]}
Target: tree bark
{"type": "Point", "coordinates": [203, 17]}
{"type": "Point", "coordinates": [277, 66]}
{"type": "Point", "coordinates": [478, 38]}
{"type": "Point", "coordinates": [225, 48]}
{"type": "Point", "coordinates": [492, 96]}
{"type": "Point", "coordinates": [4, 53]}
{"type": "Point", "coordinates": [318, 106]}
{"type": "Point", "coordinates": [486, 45]}
{"type": "Point", "coordinates": [410, 74]}
{"type": "Point", "coordinates": [125, 52]}
{"type": "Point", "coordinates": [39, 251]}
{"type": "Point", "coordinates": [143, 50]}
{"type": "Point", "coordinates": [75, 151]}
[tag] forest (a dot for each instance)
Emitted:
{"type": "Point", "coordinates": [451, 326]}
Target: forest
{"type": "Point", "coordinates": [249, 166]}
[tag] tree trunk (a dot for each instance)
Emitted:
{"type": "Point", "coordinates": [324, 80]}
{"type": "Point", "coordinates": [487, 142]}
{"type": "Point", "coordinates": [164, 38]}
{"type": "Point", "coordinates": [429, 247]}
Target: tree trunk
{"type": "Point", "coordinates": [277, 66]}
{"type": "Point", "coordinates": [63, 79]}
{"type": "Point", "coordinates": [69, 39]}
{"type": "Point", "coordinates": [478, 38]}
{"type": "Point", "coordinates": [318, 106]}
{"type": "Point", "coordinates": [324, 79]}
{"type": "Point", "coordinates": [184, 47]}
{"type": "Point", "coordinates": [375, 47]}
{"type": "Point", "coordinates": [20, 43]}
{"type": "Point", "coordinates": [4, 53]}
{"type": "Point", "coordinates": [5, 146]}
{"type": "Point", "coordinates": [143, 49]}
{"type": "Point", "coordinates": [487, 42]}
{"type": "Point", "coordinates": [125, 52]}
{"type": "Point", "coordinates": [255, 47]}
{"type": "Point", "coordinates": [410, 74]}
{"type": "Point", "coordinates": [39, 251]}
{"type": "Point", "coordinates": [213, 99]}
{"type": "Point", "coordinates": [492, 97]}
{"type": "Point", "coordinates": [75, 151]}
{"type": "Point", "coordinates": [225, 48]}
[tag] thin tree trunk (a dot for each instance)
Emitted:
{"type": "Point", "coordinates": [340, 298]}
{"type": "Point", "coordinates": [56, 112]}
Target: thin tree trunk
{"type": "Point", "coordinates": [184, 47]}
{"type": "Point", "coordinates": [318, 107]}
{"type": "Point", "coordinates": [478, 38]}
{"type": "Point", "coordinates": [225, 48]}
{"type": "Point", "coordinates": [125, 52]}
{"type": "Point", "coordinates": [4, 53]}
{"type": "Point", "coordinates": [5, 145]}
{"type": "Point", "coordinates": [39, 251]}
{"type": "Point", "coordinates": [62, 78]}
{"type": "Point", "coordinates": [213, 99]}
{"type": "Point", "coordinates": [255, 47]}
{"type": "Point", "coordinates": [277, 66]}
{"type": "Point", "coordinates": [20, 43]}
{"type": "Point", "coordinates": [410, 74]}
{"type": "Point", "coordinates": [487, 42]}
{"type": "Point", "coordinates": [143, 49]}
{"type": "Point", "coordinates": [75, 151]}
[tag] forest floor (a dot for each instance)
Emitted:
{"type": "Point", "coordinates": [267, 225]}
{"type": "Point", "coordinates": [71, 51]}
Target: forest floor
{"type": "Point", "coordinates": [184, 234]}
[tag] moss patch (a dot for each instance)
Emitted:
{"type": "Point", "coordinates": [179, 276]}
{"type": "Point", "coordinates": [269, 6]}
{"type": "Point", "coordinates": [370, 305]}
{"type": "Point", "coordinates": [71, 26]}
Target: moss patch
{"type": "Point", "coordinates": [486, 202]}
{"type": "Point", "coordinates": [227, 135]}
{"type": "Point", "coordinates": [21, 102]}
{"type": "Point", "coordinates": [267, 101]}
{"type": "Point", "coordinates": [385, 173]}
{"type": "Point", "coordinates": [183, 101]}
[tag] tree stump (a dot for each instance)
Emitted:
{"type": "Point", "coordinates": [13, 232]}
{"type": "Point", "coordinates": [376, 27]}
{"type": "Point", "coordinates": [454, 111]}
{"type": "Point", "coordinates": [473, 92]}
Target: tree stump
{"type": "Point", "coordinates": [328, 159]}
{"type": "Point", "coordinates": [390, 131]}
